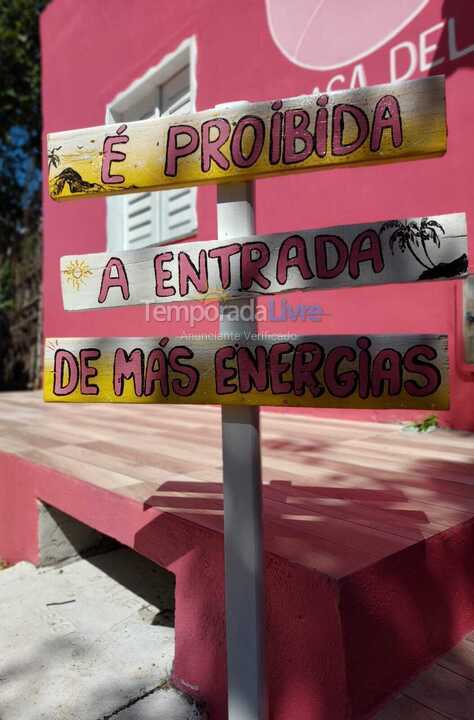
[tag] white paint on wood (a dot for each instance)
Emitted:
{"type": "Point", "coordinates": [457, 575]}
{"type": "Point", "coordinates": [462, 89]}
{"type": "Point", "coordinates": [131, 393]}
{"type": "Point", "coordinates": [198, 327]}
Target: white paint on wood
{"type": "Point", "coordinates": [403, 258]}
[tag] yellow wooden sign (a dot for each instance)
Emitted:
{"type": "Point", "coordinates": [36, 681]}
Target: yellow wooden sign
{"type": "Point", "coordinates": [338, 371]}
{"type": "Point", "coordinates": [383, 123]}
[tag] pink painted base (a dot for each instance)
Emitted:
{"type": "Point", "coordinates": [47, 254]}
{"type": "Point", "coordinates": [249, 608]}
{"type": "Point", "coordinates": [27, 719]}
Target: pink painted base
{"type": "Point", "coordinates": [336, 647]}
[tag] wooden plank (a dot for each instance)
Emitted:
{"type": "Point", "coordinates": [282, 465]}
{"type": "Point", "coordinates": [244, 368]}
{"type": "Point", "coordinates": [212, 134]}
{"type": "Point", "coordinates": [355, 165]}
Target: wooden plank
{"type": "Point", "coordinates": [409, 371]}
{"type": "Point", "coordinates": [396, 251]}
{"type": "Point", "coordinates": [81, 469]}
{"type": "Point", "coordinates": [342, 532]}
{"type": "Point", "coordinates": [404, 708]}
{"type": "Point", "coordinates": [334, 479]}
{"type": "Point", "coordinates": [383, 123]}
{"type": "Point", "coordinates": [157, 460]}
{"type": "Point", "coordinates": [444, 691]}
{"type": "Point", "coordinates": [381, 447]}
{"type": "Point", "coordinates": [460, 660]}
{"type": "Point", "coordinates": [398, 522]}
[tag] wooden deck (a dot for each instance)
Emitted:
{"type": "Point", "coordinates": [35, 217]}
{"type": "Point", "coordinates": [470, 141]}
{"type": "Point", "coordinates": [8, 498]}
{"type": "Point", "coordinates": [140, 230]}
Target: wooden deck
{"type": "Point", "coordinates": [445, 690]}
{"type": "Point", "coordinates": [348, 493]}
{"type": "Point", "coordinates": [338, 496]}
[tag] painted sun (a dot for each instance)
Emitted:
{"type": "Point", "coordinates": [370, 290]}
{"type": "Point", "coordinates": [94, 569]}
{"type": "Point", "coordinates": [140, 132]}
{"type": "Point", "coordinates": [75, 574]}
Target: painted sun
{"type": "Point", "coordinates": [77, 272]}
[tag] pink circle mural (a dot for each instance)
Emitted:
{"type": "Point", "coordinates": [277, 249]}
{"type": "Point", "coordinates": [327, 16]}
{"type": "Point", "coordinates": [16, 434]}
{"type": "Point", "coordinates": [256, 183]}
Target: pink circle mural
{"type": "Point", "coordinates": [327, 34]}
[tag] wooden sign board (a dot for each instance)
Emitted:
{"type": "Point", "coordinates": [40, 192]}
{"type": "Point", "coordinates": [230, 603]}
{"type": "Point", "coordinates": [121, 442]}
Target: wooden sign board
{"type": "Point", "coordinates": [382, 123]}
{"type": "Point", "coordinates": [337, 371]}
{"type": "Point", "coordinates": [407, 250]}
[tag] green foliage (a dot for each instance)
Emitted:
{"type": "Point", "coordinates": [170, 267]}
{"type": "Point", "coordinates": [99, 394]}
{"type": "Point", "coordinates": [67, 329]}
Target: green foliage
{"type": "Point", "coordinates": [429, 423]}
{"type": "Point", "coordinates": [20, 184]}
{"type": "Point", "coordinates": [6, 291]}
{"type": "Point", "coordinates": [20, 111]}
{"type": "Point", "coordinates": [20, 62]}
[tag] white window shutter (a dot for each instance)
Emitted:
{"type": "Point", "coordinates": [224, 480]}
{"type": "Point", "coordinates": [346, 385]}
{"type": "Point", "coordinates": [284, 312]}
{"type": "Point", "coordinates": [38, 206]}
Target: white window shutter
{"type": "Point", "coordinates": [150, 218]}
{"type": "Point", "coordinates": [178, 214]}
{"type": "Point", "coordinates": [178, 217]}
{"type": "Point", "coordinates": [140, 220]}
{"type": "Point", "coordinates": [140, 210]}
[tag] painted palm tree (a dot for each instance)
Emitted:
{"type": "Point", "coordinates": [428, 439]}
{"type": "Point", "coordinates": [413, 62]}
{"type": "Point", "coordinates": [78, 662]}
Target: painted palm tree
{"type": "Point", "coordinates": [53, 158]}
{"type": "Point", "coordinates": [415, 238]}
{"type": "Point", "coordinates": [429, 231]}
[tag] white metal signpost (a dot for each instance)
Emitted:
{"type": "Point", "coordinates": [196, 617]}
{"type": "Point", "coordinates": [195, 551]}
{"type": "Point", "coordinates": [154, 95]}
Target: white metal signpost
{"type": "Point", "coordinates": [232, 145]}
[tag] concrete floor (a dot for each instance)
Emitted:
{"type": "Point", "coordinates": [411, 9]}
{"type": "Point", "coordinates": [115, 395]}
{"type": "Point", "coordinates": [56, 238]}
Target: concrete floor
{"type": "Point", "coordinates": [90, 640]}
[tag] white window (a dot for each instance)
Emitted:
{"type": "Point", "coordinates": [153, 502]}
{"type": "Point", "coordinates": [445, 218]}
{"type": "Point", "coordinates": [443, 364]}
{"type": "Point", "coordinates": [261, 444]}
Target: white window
{"type": "Point", "coordinates": [149, 218]}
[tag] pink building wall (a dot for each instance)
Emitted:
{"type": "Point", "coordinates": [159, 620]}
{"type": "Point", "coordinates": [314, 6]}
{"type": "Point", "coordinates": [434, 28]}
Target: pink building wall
{"type": "Point", "coordinates": [93, 50]}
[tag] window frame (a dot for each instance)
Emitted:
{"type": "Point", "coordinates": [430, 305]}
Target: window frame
{"type": "Point", "coordinates": [138, 90]}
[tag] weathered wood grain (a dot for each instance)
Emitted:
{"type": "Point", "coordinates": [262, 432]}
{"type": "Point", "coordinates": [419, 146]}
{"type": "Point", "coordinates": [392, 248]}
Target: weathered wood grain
{"type": "Point", "coordinates": [460, 660]}
{"type": "Point", "coordinates": [150, 443]}
{"type": "Point", "coordinates": [383, 123]}
{"type": "Point", "coordinates": [409, 371]}
{"type": "Point", "coordinates": [395, 251]}
{"type": "Point", "coordinates": [451, 694]}
{"type": "Point", "coordinates": [404, 708]}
